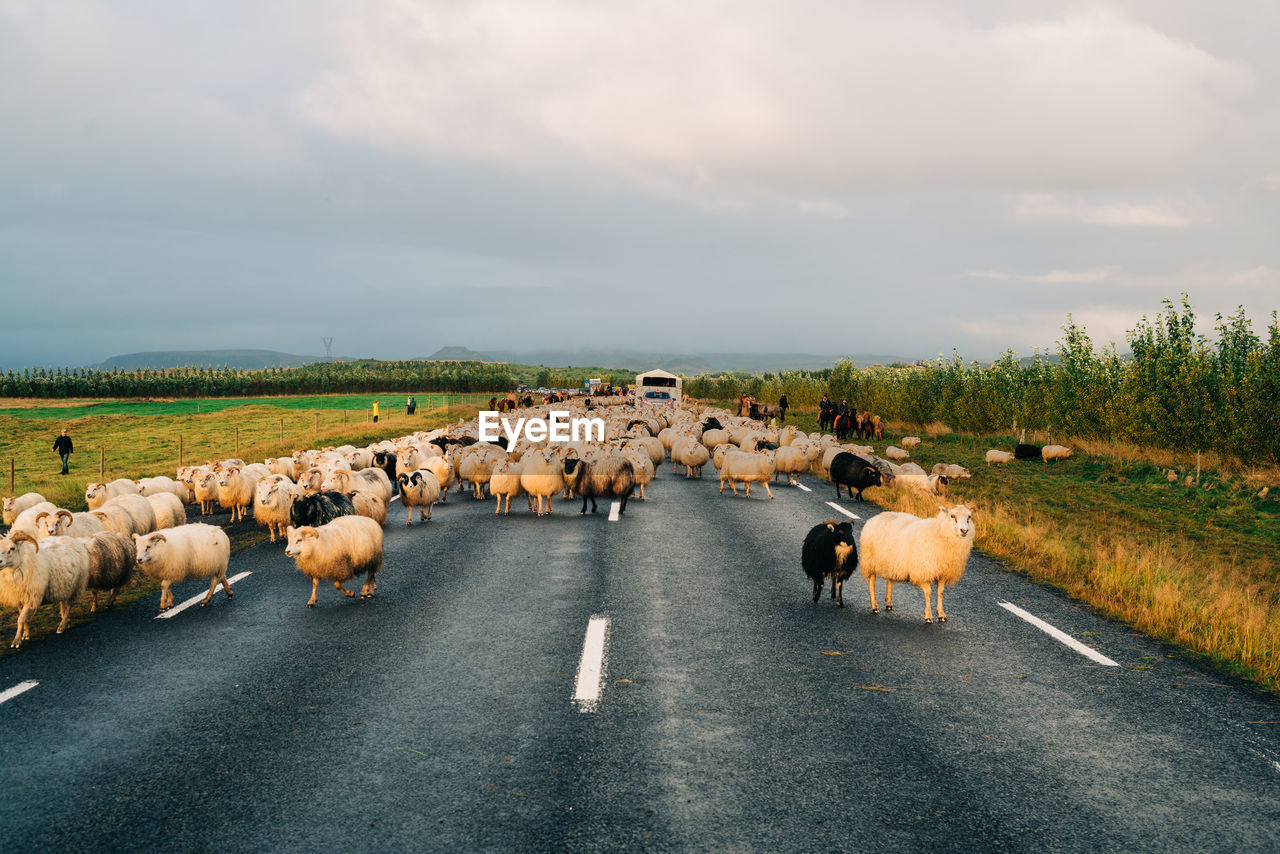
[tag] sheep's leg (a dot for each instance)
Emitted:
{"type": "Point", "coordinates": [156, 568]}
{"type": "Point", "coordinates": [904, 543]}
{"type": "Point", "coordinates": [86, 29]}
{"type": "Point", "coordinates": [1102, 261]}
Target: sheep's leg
{"type": "Point", "coordinates": [370, 586]}
{"type": "Point", "coordinates": [213, 585]}
{"type": "Point", "coordinates": [942, 615]}
{"type": "Point", "coordinates": [65, 609]}
{"type": "Point", "coordinates": [226, 586]}
{"type": "Point", "coordinates": [839, 589]}
{"type": "Point", "coordinates": [315, 586]}
{"type": "Point", "coordinates": [766, 488]}
{"type": "Point", "coordinates": [817, 588]}
{"type": "Point", "coordinates": [888, 594]}
{"type": "Point", "coordinates": [22, 626]}
{"type": "Point", "coordinates": [429, 506]}
{"type": "Point", "coordinates": [94, 607]}
{"type": "Point", "coordinates": [497, 510]}
{"type": "Point", "coordinates": [344, 591]}
{"type": "Point", "coordinates": [927, 588]}
{"type": "Point", "coordinates": [111, 601]}
{"type": "Point", "coordinates": [623, 508]}
{"type": "Point", "coordinates": [166, 596]}
{"type": "Point", "coordinates": [871, 588]}
{"type": "Point", "coordinates": [409, 521]}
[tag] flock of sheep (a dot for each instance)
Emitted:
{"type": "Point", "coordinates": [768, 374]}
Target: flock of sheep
{"type": "Point", "coordinates": [331, 504]}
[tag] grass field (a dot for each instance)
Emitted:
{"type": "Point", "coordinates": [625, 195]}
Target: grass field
{"type": "Point", "coordinates": [1196, 565]}
{"type": "Point", "coordinates": [59, 410]}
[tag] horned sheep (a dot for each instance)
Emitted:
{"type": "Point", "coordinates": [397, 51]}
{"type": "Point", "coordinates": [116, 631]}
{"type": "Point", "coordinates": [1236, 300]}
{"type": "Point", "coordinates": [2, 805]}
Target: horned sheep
{"type": "Point", "coordinates": [419, 489]}
{"type": "Point", "coordinates": [338, 551]}
{"type": "Point", "coordinates": [64, 523]}
{"type": "Point", "coordinates": [903, 547]}
{"type": "Point", "coordinates": [186, 552]}
{"type": "Point", "coordinates": [34, 573]}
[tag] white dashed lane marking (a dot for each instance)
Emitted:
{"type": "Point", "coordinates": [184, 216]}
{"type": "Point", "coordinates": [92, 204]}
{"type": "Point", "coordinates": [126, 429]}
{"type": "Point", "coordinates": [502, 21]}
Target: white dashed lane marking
{"type": "Point", "coordinates": [1058, 635]}
{"type": "Point", "coordinates": [615, 511]}
{"type": "Point", "coordinates": [178, 609]}
{"type": "Point", "coordinates": [20, 688]}
{"type": "Point", "coordinates": [802, 486]}
{"type": "Point", "coordinates": [586, 694]}
{"type": "Point", "coordinates": [836, 506]}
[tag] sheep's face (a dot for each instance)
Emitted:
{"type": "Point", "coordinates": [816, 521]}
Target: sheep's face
{"type": "Point", "coordinates": [150, 547]}
{"type": "Point", "coordinates": [9, 555]}
{"type": "Point", "coordinates": [961, 520]}
{"type": "Point", "coordinates": [9, 505]}
{"type": "Point", "coordinates": [46, 526]}
{"type": "Point", "coordinates": [92, 490]}
{"type": "Point", "coordinates": [301, 541]}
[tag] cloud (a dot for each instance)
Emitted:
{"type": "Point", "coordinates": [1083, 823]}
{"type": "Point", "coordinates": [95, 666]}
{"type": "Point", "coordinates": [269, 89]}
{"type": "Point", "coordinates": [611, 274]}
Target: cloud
{"type": "Point", "coordinates": [728, 103]}
{"type": "Point", "coordinates": [1053, 277]}
{"type": "Point", "coordinates": [1162, 214]}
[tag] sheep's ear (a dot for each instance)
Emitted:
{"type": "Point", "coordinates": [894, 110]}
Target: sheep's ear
{"type": "Point", "coordinates": [135, 537]}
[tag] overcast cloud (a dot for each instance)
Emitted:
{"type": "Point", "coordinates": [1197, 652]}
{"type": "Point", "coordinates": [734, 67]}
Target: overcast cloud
{"type": "Point", "coordinates": [695, 176]}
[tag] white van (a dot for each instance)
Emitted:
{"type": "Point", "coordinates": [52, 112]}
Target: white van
{"type": "Point", "coordinates": [659, 388]}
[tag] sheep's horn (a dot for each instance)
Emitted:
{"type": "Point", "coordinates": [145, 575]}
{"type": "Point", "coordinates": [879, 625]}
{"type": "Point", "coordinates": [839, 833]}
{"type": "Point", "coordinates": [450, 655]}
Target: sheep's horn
{"type": "Point", "coordinates": [66, 513]}
{"type": "Point", "coordinates": [23, 536]}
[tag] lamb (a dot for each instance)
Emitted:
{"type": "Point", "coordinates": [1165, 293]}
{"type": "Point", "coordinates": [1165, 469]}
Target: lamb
{"type": "Point", "coordinates": [829, 552]}
{"type": "Point", "coordinates": [505, 483]}
{"type": "Point", "coordinates": [178, 554]}
{"type": "Point", "coordinates": [28, 520]}
{"type": "Point", "coordinates": [369, 505]}
{"type": "Point", "coordinates": [320, 508]}
{"type": "Point", "coordinates": [895, 454]}
{"type": "Point", "coordinates": [13, 506]}
{"type": "Point", "coordinates": [205, 488]}
{"type": "Point", "coordinates": [691, 454]}
{"type": "Point", "coordinates": [272, 499]}
{"type": "Point", "coordinates": [169, 510]}
{"type": "Point", "coordinates": [995, 456]}
{"type": "Point", "coordinates": [33, 573]}
{"type": "Point", "coordinates": [910, 442]}
{"type": "Point", "coordinates": [543, 476]}
{"type": "Point", "coordinates": [97, 494]}
{"type": "Point", "coordinates": [111, 561]}
{"type": "Point", "coordinates": [747, 468]}
{"type": "Point", "coordinates": [903, 547]}
{"type": "Point", "coordinates": [419, 489]}
{"type": "Point", "coordinates": [1055, 452]}
{"type": "Point", "coordinates": [338, 551]}
{"type": "Point", "coordinates": [854, 473]}
{"type": "Point", "coordinates": [611, 477]}
{"type": "Point", "coordinates": [128, 514]}
{"type": "Point", "coordinates": [64, 523]}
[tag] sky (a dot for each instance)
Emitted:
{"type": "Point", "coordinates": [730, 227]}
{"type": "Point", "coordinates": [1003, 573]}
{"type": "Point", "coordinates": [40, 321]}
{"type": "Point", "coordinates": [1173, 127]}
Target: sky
{"type": "Point", "coordinates": [822, 176]}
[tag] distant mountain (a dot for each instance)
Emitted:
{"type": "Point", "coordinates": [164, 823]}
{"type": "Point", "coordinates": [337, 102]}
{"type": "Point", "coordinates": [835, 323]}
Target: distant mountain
{"type": "Point", "coordinates": [458, 354]}
{"type": "Point", "coordinates": [690, 364]}
{"type": "Point", "coordinates": [244, 359]}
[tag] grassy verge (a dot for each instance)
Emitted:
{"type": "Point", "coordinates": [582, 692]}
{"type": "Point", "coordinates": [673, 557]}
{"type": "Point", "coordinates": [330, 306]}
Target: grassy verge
{"type": "Point", "coordinates": [148, 445]}
{"type": "Point", "coordinates": [1196, 565]}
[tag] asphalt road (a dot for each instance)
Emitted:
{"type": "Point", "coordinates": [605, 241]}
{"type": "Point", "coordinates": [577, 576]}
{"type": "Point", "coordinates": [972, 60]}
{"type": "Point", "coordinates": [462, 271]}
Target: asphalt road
{"type": "Point", "coordinates": [734, 713]}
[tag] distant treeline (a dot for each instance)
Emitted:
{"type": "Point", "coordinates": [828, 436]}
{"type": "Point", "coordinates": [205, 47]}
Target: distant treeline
{"type": "Point", "coordinates": [1176, 390]}
{"type": "Point", "coordinates": [321, 378]}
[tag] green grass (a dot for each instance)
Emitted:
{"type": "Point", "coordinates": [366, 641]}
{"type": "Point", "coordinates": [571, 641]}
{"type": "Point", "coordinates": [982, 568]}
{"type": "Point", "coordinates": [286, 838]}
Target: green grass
{"type": "Point", "coordinates": [71, 409]}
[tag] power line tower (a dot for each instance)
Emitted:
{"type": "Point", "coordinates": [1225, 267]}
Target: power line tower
{"type": "Point", "coordinates": [328, 348]}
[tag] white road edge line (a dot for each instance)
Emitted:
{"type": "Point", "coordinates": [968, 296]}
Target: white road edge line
{"type": "Point", "coordinates": [177, 609]}
{"type": "Point", "coordinates": [614, 514]}
{"type": "Point", "coordinates": [836, 506]}
{"type": "Point", "coordinates": [1058, 635]}
{"type": "Point", "coordinates": [802, 486]}
{"type": "Point", "coordinates": [586, 695]}
{"type": "Point", "coordinates": [20, 688]}
{"type": "Point", "coordinates": [394, 498]}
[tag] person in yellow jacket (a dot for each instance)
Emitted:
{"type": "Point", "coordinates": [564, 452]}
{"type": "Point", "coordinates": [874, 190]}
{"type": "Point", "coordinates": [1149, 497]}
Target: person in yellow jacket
{"type": "Point", "coordinates": [375, 412]}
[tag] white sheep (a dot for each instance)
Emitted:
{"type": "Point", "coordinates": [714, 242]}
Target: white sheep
{"type": "Point", "coordinates": [97, 494]}
{"type": "Point", "coordinates": [205, 489]}
{"type": "Point", "coordinates": [1055, 452]}
{"type": "Point", "coordinates": [951, 471]}
{"type": "Point", "coordinates": [15, 505]}
{"type": "Point", "coordinates": [903, 547]}
{"type": "Point", "coordinates": [691, 454]}
{"type": "Point", "coordinates": [932, 484]}
{"type": "Point", "coordinates": [895, 454]}
{"type": "Point", "coordinates": [369, 504]}
{"type": "Point", "coordinates": [994, 456]}
{"type": "Point", "coordinates": [910, 442]}
{"type": "Point", "coordinates": [543, 477]}
{"type": "Point", "coordinates": [372, 480]}
{"type": "Point", "coordinates": [188, 551]}
{"type": "Point", "coordinates": [790, 460]}
{"type": "Point", "coordinates": [34, 573]}
{"type": "Point", "coordinates": [28, 520]}
{"type": "Point", "coordinates": [444, 472]}
{"type": "Point", "coordinates": [912, 468]}
{"type": "Point", "coordinates": [504, 482]}
{"type": "Point", "coordinates": [272, 499]}
{"type": "Point", "coordinates": [642, 464]}
{"type": "Point", "coordinates": [419, 489]}
{"type": "Point", "coordinates": [149, 486]}
{"type": "Point", "coordinates": [235, 489]}
{"type": "Point", "coordinates": [127, 514]}
{"type": "Point", "coordinates": [283, 466]}
{"type": "Point", "coordinates": [169, 510]}
{"type": "Point", "coordinates": [64, 523]}
{"type": "Point", "coordinates": [745, 468]}
{"type": "Point", "coordinates": [340, 550]}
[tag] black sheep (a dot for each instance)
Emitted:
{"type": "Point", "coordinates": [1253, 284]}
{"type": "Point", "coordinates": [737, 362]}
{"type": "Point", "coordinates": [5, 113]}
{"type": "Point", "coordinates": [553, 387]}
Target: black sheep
{"type": "Point", "coordinates": [386, 460]}
{"type": "Point", "coordinates": [318, 509]}
{"type": "Point", "coordinates": [1026, 452]}
{"type": "Point", "coordinates": [830, 552]}
{"type": "Point", "coordinates": [711, 424]}
{"type": "Point", "coordinates": [854, 473]}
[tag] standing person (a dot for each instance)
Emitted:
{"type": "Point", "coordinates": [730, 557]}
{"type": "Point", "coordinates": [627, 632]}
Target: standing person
{"type": "Point", "coordinates": [62, 445]}
{"type": "Point", "coordinates": [410, 407]}
{"type": "Point", "coordinates": [375, 412]}
{"type": "Point", "coordinates": [782, 404]}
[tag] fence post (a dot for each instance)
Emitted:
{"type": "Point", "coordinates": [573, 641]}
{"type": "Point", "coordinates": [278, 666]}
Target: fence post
{"type": "Point", "coordinates": [344, 416]}
{"type": "Point", "coordinates": [237, 442]}
{"type": "Point", "coordinates": [1197, 468]}
{"type": "Point", "coordinates": [281, 429]}
{"type": "Point", "coordinates": [197, 407]}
